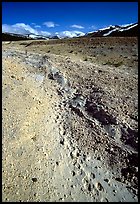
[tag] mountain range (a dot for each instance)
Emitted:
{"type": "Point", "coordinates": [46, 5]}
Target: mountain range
{"type": "Point", "coordinates": [116, 30]}
{"type": "Point", "coordinates": [128, 30]}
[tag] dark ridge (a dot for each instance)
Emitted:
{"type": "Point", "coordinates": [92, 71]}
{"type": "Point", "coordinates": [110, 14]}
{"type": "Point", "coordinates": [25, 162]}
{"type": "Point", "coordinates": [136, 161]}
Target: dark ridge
{"type": "Point", "coordinates": [100, 114]}
{"type": "Point", "coordinates": [133, 32]}
{"type": "Point", "coordinates": [8, 37]}
{"type": "Point", "coordinates": [130, 137]}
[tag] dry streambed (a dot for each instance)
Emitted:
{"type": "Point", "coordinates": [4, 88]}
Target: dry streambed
{"type": "Point", "coordinates": [46, 122]}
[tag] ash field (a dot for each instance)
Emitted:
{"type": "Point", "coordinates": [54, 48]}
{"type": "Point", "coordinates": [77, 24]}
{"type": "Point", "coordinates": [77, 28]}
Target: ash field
{"type": "Point", "coordinates": [70, 120]}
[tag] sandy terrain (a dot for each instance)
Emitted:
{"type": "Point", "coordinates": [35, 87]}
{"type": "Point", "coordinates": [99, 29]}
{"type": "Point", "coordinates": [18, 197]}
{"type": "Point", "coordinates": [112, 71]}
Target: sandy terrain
{"type": "Point", "coordinates": [70, 124]}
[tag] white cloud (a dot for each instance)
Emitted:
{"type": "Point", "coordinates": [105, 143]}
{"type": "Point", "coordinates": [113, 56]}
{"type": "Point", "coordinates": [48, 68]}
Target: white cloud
{"type": "Point", "coordinates": [77, 26]}
{"type": "Point", "coordinates": [93, 27]}
{"type": "Point", "coordinates": [50, 24]}
{"type": "Point", "coordinates": [70, 34]}
{"type": "Point", "coordinates": [45, 33]}
{"type": "Point", "coordinates": [37, 26]}
{"type": "Point", "coordinates": [21, 28]}
{"type": "Point", "coordinates": [26, 28]}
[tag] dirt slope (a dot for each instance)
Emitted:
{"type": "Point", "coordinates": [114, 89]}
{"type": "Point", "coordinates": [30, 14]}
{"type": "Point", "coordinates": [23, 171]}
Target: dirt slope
{"type": "Point", "coordinates": [69, 128]}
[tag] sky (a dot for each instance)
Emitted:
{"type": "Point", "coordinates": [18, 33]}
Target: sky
{"type": "Point", "coordinates": [49, 18]}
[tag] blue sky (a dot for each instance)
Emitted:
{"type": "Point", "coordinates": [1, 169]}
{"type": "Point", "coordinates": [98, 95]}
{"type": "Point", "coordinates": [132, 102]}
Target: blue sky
{"type": "Point", "coordinates": [52, 17]}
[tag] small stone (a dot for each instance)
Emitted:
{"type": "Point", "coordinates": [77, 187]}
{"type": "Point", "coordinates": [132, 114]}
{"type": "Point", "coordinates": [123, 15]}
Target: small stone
{"type": "Point", "coordinates": [57, 163]}
{"type": "Point", "coordinates": [73, 173]}
{"type": "Point", "coordinates": [106, 180]}
{"type": "Point", "coordinates": [62, 142]}
{"type": "Point", "coordinates": [34, 179]}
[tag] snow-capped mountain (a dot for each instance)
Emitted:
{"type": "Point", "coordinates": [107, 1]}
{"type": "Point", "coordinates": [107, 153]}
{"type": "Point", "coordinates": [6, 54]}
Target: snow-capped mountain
{"type": "Point", "coordinates": [61, 35]}
{"type": "Point", "coordinates": [33, 36]}
{"type": "Point", "coordinates": [116, 30]}
{"type": "Point", "coordinates": [112, 30]}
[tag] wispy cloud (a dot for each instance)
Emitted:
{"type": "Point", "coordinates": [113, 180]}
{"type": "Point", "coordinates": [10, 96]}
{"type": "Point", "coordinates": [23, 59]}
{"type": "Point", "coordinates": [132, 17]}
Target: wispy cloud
{"type": "Point", "coordinates": [77, 26]}
{"type": "Point", "coordinates": [21, 28]}
{"type": "Point", "coordinates": [50, 24]}
{"type": "Point", "coordinates": [45, 33]}
{"type": "Point", "coordinates": [37, 26]}
{"type": "Point", "coordinates": [93, 27]}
